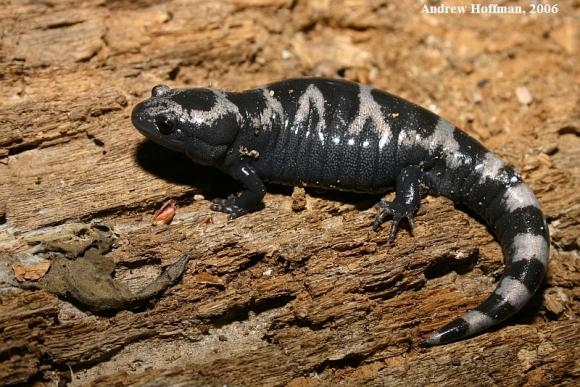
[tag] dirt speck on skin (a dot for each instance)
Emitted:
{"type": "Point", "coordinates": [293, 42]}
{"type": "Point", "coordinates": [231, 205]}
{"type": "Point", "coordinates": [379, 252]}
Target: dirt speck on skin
{"type": "Point", "coordinates": [298, 199]}
{"type": "Point", "coordinates": [252, 153]}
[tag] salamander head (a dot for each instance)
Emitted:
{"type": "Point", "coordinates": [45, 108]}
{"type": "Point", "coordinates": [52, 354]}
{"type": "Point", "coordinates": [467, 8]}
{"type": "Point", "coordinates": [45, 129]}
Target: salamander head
{"type": "Point", "coordinates": [200, 122]}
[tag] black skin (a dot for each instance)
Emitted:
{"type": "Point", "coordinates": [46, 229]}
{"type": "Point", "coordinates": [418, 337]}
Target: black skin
{"type": "Point", "coordinates": [339, 135]}
{"type": "Point", "coordinates": [406, 201]}
{"type": "Point", "coordinates": [356, 168]}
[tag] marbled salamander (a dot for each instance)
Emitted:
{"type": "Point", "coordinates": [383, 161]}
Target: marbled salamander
{"type": "Point", "coordinates": [339, 135]}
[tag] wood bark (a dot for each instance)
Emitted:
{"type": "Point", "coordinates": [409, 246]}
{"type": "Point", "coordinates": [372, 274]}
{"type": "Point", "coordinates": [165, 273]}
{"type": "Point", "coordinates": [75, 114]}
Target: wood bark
{"type": "Point", "coordinates": [279, 296]}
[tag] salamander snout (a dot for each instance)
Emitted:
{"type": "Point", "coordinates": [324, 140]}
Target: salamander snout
{"type": "Point", "coordinates": [163, 124]}
{"type": "Point", "coordinates": [140, 118]}
{"type": "Point", "coordinates": [158, 126]}
{"type": "Point", "coordinates": [153, 117]}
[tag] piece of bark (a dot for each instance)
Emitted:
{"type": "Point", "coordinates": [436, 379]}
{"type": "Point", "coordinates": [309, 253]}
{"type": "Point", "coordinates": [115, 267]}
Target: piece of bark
{"type": "Point", "coordinates": [277, 297]}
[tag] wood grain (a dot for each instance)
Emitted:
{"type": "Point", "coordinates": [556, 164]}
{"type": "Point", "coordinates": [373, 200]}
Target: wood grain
{"type": "Point", "coordinates": [279, 297]}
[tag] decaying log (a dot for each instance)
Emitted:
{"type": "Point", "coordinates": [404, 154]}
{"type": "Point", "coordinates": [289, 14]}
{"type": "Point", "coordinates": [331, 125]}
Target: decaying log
{"type": "Point", "coordinates": [303, 292]}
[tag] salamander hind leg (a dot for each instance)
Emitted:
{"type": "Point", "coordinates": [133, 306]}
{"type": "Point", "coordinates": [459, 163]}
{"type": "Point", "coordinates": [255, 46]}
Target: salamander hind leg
{"type": "Point", "coordinates": [248, 199]}
{"type": "Point", "coordinates": [407, 200]}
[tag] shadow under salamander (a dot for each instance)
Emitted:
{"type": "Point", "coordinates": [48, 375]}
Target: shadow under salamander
{"type": "Point", "coordinates": [176, 168]}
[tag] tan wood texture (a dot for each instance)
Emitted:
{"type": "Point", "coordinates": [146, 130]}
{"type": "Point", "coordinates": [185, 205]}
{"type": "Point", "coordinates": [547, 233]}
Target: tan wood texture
{"type": "Point", "coordinates": [279, 297]}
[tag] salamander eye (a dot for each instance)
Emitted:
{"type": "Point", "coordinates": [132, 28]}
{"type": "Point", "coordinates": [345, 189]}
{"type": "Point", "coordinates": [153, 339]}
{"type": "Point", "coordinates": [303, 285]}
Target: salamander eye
{"type": "Point", "coordinates": [165, 124]}
{"type": "Point", "coordinates": [159, 90]}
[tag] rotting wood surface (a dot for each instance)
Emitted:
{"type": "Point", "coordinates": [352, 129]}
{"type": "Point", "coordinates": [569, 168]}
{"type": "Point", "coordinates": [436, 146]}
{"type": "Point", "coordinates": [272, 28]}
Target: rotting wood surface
{"type": "Point", "coordinates": [279, 297]}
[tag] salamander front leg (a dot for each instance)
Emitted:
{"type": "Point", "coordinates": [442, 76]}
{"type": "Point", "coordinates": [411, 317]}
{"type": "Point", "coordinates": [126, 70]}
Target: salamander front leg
{"type": "Point", "coordinates": [407, 200]}
{"type": "Point", "coordinates": [248, 199]}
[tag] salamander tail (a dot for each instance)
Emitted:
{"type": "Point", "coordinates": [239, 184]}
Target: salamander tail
{"type": "Point", "coordinates": [515, 288]}
{"type": "Point", "coordinates": [512, 210]}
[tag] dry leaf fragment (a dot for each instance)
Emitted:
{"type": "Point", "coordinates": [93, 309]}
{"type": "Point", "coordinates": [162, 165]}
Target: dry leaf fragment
{"type": "Point", "coordinates": [32, 272]}
{"type": "Point", "coordinates": [165, 214]}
